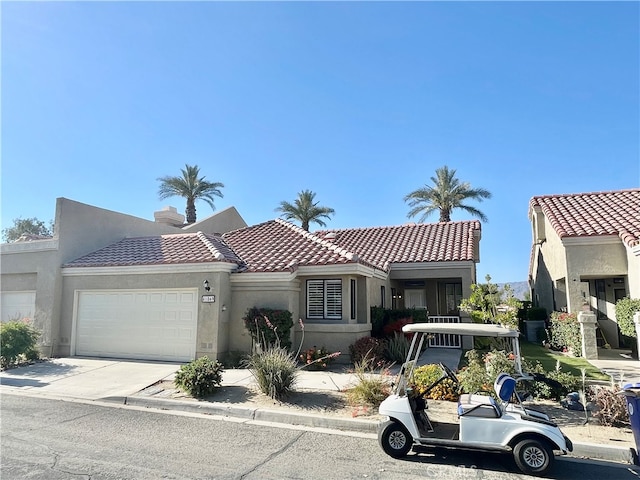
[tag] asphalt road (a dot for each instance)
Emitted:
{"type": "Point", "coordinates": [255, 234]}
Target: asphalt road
{"type": "Point", "coordinates": [52, 439]}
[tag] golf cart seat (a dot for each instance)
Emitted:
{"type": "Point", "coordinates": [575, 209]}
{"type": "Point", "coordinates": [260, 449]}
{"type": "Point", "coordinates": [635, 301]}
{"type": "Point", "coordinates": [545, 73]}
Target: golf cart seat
{"type": "Point", "coordinates": [475, 405]}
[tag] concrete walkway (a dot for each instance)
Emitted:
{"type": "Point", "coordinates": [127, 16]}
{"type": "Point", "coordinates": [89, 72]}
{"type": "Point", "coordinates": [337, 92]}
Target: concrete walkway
{"type": "Point", "coordinates": [122, 381]}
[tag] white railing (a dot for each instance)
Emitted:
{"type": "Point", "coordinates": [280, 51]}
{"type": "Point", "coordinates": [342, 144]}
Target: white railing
{"type": "Point", "coordinates": [444, 340]}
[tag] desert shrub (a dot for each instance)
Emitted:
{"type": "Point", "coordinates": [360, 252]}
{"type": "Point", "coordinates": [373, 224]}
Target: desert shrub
{"type": "Point", "coordinates": [371, 388]}
{"type": "Point", "coordinates": [269, 327]}
{"type": "Point", "coordinates": [611, 406]}
{"type": "Point", "coordinates": [625, 309]}
{"type": "Point", "coordinates": [200, 377]}
{"type": "Point", "coordinates": [565, 333]}
{"type": "Point", "coordinates": [369, 348]}
{"type": "Point", "coordinates": [397, 348]}
{"type": "Point", "coordinates": [18, 342]}
{"type": "Point", "coordinates": [539, 389]}
{"type": "Point", "coordinates": [482, 370]}
{"type": "Point", "coordinates": [275, 371]}
{"type": "Point", "coordinates": [426, 375]}
{"type": "Point", "coordinates": [473, 376]}
{"type": "Point", "coordinates": [317, 358]}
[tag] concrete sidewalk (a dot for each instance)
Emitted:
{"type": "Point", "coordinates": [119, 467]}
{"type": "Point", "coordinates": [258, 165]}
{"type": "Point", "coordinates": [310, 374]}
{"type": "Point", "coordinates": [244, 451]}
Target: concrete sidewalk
{"type": "Point", "coordinates": [127, 382]}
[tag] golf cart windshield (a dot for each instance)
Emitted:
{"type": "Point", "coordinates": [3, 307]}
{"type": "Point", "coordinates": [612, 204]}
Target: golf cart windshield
{"type": "Point", "coordinates": [421, 331]}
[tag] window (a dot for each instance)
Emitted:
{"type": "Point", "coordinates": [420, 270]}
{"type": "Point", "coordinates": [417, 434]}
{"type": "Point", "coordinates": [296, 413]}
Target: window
{"type": "Point", "coordinates": [353, 299]}
{"type": "Point", "coordinates": [453, 297]}
{"type": "Point", "coordinates": [383, 293]}
{"type": "Point", "coordinates": [324, 299]}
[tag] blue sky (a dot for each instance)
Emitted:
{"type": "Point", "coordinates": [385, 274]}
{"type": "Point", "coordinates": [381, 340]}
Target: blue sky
{"type": "Point", "coordinates": [359, 102]}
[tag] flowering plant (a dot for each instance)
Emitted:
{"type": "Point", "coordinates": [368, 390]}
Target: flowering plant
{"type": "Point", "coordinates": [317, 358]}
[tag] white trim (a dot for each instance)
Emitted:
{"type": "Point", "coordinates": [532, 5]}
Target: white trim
{"type": "Point", "coordinates": [28, 247]}
{"type": "Point", "coordinates": [257, 277]}
{"type": "Point", "coordinates": [594, 240]}
{"type": "Point", "coordinates": [430, 265]}
{"type": "Point", "coordinates": [149, 269]}
{"type": "Point", "coordinates": [341, 269]}
{"type": "Point", "coordinates": [636, 250]}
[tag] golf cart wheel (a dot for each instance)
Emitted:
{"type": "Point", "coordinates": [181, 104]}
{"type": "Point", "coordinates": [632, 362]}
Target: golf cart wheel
{"type": "Point", "coordinates": [533, 456]}
{"type": "Point", "coordinates": [394, 439]}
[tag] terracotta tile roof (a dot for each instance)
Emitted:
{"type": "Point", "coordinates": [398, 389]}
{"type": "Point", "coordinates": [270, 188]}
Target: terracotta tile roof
{"type": "Point", "coordinates": [594, 214]}
{"type": "Point", "coordinates": [422, 242]}
{"type": "Point", "coordinates": [160, 250]}
{"type": "Point", "coordinates": [278, 245]}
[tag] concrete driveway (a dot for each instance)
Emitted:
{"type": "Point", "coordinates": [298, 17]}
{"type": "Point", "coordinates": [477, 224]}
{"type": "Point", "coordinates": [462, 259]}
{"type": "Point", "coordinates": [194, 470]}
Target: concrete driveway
{"type": "Point", "coordinates": [86, 378]}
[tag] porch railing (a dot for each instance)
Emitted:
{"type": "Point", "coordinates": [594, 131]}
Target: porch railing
{"type": "Point", "coordinates": [444, 340]}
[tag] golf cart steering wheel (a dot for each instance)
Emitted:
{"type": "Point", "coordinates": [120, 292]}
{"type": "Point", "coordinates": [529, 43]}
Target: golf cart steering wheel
{"type": "Point", "coordinates": [449, 373]}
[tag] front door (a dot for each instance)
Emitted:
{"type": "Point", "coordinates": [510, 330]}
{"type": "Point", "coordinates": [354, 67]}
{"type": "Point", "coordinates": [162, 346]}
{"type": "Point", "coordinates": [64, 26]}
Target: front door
{"type": "Point", "coordinates": [415, 299]}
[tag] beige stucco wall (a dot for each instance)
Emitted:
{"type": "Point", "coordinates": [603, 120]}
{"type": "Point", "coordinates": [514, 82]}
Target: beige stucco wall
{"type": "Point", "coordinates": [633, 280]}
{"type": "Point", "coordinates": [208, 341]}
{"type": "Point", "coordinates": [248, 291]}
{"type": "Point", "coordinates": [223, 221]}
{"type": "Point", "coordinates": [592, 260]}
{"type": "Point", "coordinates": [35, 266]}
{"type": "Point", "coordinates": [80, 229]}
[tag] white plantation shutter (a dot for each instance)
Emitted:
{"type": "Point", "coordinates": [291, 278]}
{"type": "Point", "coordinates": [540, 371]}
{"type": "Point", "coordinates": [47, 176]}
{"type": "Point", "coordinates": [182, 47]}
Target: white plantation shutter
{"type": "Point", "coordinates": [333, 298]}
{"type": "Point", "coordinates": [315, 299]}
{"type": "Point", "coordinates": [324, 299]}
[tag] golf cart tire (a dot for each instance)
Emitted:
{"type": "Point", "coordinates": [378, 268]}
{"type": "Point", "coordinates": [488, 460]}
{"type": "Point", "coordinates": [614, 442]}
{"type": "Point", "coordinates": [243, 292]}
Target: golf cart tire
{"type": "Point", "coordinates": [533, 456]}
{"type": "Point", "coordinates": [394, 439]}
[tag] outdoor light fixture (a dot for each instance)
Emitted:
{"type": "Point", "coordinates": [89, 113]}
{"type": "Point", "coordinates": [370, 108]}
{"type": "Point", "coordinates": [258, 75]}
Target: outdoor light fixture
{"type": "Point", "coordinates": [206, 286]}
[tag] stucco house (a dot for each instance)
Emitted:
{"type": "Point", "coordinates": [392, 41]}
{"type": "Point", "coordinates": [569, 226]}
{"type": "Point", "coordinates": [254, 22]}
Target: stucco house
{"type": "Point", "coordinates": [586, 251]}
{"type": "Point", "coordinates": [112, 285]}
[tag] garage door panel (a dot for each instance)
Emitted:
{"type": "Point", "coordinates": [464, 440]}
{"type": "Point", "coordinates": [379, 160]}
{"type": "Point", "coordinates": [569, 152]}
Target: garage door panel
{"type": "Point", "coordinates": [154, 325]}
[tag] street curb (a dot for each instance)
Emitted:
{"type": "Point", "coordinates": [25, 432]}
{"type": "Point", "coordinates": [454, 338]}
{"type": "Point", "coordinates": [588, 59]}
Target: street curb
{"type": "Point", "coordinates": [602, 452]}
{"type": "Point", "coordinates": [580, 450]}
{"type": "Point", "coordinates": [257, 414]}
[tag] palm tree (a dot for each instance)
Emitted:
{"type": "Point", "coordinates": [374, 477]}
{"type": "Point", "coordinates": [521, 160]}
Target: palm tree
{"type": "Point", "coordinates": [192, 188]}
{"type": "Point", "coordinates": [447, 194]}
{"type": "Point", "coordinates": [305, 210]}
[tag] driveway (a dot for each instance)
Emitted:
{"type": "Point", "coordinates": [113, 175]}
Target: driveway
{"type": "Point", "coordinates": [86, 378]}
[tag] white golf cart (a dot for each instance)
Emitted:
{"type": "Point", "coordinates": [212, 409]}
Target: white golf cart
{"type": "Point", "coordinates": [485, 423]}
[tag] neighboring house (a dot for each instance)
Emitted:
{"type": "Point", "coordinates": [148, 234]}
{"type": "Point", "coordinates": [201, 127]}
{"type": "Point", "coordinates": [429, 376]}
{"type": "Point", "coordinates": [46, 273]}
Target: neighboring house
{"type": "Point", "coordinates": [112, 285]}
{"type": "Point", "coordinates": [586, 251]}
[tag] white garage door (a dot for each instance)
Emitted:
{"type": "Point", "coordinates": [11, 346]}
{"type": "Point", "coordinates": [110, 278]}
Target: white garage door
{"type": "Point", "coordinates": [17, 305]}
{"type": "Point", "coordinates": [140, 324]}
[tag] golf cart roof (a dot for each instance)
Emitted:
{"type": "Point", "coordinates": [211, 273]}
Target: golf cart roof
{"type": "Point", "coordinates": [475, 329]}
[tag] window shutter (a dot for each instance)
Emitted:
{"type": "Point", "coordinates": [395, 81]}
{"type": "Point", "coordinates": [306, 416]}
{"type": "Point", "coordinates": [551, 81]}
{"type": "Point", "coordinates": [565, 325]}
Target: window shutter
{"type": "Point", "coordinates": [333, 298]}
{"type": "Point", "coordinates": [315, 298]}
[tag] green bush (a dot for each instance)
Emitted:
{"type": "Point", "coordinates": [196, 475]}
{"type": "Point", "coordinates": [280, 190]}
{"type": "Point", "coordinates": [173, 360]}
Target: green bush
{"type": "Point", "coordinates": [565, 333]}
{"type": "Point", "coordinates": [537, 313]}
{"type": "Point", "coordinates": [369, 348]}
{"type": "Point", "coordinates": [539, 389]}
{"type": "Point", "coordinates": [200, 377]}
{"type": "Point", "coordinates": [482, 370]}
{"type": "Point", "coordinates": [625, 309]}
{"type": "Point", "coordinates": [269, 327]}
{"type": "Point", "coordinates": [382, 317]}
{"type": "Point", "coordinates": [18, 342]}
{"type": "Point", "coordinates": [274, 370]}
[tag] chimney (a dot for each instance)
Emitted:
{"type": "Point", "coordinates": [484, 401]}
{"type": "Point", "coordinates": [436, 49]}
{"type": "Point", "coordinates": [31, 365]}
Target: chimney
{"type": "Point", "coordinates": [169, 216]}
